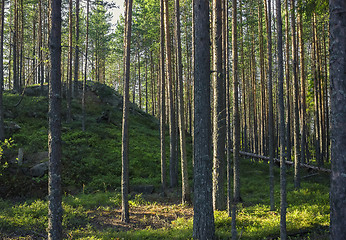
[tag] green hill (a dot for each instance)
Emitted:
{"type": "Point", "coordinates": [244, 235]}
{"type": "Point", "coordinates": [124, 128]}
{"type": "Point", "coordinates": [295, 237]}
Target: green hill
{"type": "Point", "coordinates": [91, 159]}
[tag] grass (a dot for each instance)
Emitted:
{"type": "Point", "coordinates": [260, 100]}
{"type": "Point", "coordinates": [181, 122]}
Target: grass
{"type": "Point", "coordinates": [91, 181]}
{"type": "Point", "coordinates": [97, 215]}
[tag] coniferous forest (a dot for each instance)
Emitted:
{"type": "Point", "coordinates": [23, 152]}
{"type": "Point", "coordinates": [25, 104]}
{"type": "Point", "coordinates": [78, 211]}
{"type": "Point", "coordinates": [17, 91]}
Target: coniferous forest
{"type": "Point", "coordinates": [180, 119]}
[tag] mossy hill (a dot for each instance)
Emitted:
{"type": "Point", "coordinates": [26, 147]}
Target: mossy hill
{"type": "Point", "coordinates": [91, 159]}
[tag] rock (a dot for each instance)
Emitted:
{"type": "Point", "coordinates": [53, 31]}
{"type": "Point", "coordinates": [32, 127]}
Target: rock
{"type": "Point", "coordinates": [12, 127]}
{"type": "Point", "coordinates": [105, 117]}
{"type": "Point", "coordinates": [36, 158]}
{"type": "Point", "coordinates": [38, 170]}
{"type": "Point", "coordinates": [145, 189]}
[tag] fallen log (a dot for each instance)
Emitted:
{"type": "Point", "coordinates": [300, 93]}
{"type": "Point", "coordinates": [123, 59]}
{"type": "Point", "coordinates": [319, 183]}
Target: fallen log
{"type": "Point", "coordinates": [265, 158]}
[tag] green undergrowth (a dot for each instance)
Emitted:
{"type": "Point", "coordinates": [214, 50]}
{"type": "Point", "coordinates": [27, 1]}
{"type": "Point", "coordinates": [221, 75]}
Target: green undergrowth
{"type": "Point", "coordinates": [91, 158]}
{"type": "Point", "coordinates": [91, 179]}
{"type": "Point", "coordinates": [307, 213]}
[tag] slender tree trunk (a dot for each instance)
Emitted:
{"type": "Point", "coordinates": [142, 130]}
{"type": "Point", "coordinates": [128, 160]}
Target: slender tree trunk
{"type": "Point", "coordinates": [283, 204]}
{"type": "Point", "coordinates": [244, 133]}
{"type": "Point", "coordinates": [16, 86]}
{"type": "Point", "coordinates": [236, 121]}
{"type": "Point", "coordinates": [288, 87]}
{"type": "Point", "coordinates": [69, 79]}
{"type": "Point", "coordinates": [139, 80]}
{"type": "Point", "coordinates": [229, 142]}
{"type": "Point", "coordinates": [338, 117]}
{"type": "Point", "coordinates": [172, 130]}
{"type": "Point", "coordinates": [219, 111]}
{"type": "Point", "coordinates": [203, 220]}
{"type": "Point", "coordinates": [262, 101]}
{"type": "Point", "coordinates": [34, 79]}
{"type": "Point", "coordinates": [40, 46]}
{"type": "Point", "coordinates": [2, 130]}
{"type": "Point", "coordinates": [125, 216]}
{"type": "Point", "coordinates": [55, 210]}
{"type": "Point", "coordinates": [186, 199]}
{"type": "Point", "coordinates": [162, 98]}
{"type": "Point", "coordinates": [76, 61]}
{"type": "Point", "coordinates": [146, 84]}
{"type": "Point", "coordinates": [316, 98]}
{"type": "Point", "coordinates": [85, 66]}
{"type": "Point", "coordinates": [295, 99]}
{"type": "Point", "coordinates": [302, 89]}
{"type": "Point", "coordinates": [152, 82]}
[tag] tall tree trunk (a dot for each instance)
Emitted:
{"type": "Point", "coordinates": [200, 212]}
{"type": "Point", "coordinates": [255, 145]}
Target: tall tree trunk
{"type": "Point", "coordinates": [219, 114]}
{"type": "Point", "coordinates": [2, 130]}
{"type": "Point", "coordinates": [76, 61]}
{"type": "Point", "coordinates": [85, 66]}
{"type": "Point", "coordinates": [55, 210]}
{"type": "Point", "coordinates": [34, 79]}
{"type": "Point", "coordinates": [236, 122]}
{"type": "Point", "coordinates": [338, 117]}
{"type": "Point", "coordinates": [302, 89]}
{"type": "Point", "coordinates": [295, 99]}
{"type": "Point", "coordinates": [283, 203]}
{"type": "Point", "coordinates": [69, 79]}
{"type": "Point", "coordinates": [229, 142]}
{"type": "Point", "coordinates": [125, 125]}
{"type": "Point", "coordinates": [288, 86]}
{"type": "Point", "coordinates": [316, 94]}
{"type": "Point", "coordinates": [186, 199]}
{"type": "Point", "coordinates": [172, 129]}
{"type": "Point", "coordinates": [244, 132]}
{"type": "Point", "coordinates": [16, 86]}
{"type": "Point", "coordinates": [139, 80]}
{"type": "Point", "coordinates": [40, 46]}
{"type": "Point", "coordinates": [270, 105]}
{"type": "Point", "coordinates": [146, 83]}
{"type": "Point", "coordinates": [162, 98]}
{"type": "Point", "coordinates": [262, 101]}
{"type": "Point", "coordinates": [152, 83]}
{"type": "Point", "coordinates": [203, 220]}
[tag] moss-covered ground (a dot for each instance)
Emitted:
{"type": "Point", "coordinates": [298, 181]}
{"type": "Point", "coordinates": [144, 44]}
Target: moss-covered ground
{"type": "Point", "coordinates": [91, 182]}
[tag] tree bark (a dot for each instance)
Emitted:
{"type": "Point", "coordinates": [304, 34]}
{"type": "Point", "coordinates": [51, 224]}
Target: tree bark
{"type": "Point", "coordinates": [270, 105]}
{"type": "Point", "coordinates": [69, 78]}
{"type": "Point", "coordinates": [76, 61]}
{"type": "Point", "coordinates": [302, 89]}
{"type": "Point", "coordinates": [125, 216]}
{"type": "Point", "coordinates": [203, 221]}
{"type": "Point", "coordinates": [236, 122]}
{"type": "Point", "coordinates": [283, 193]}
{"type": "Point", "coordinates": [173, 161]}
{"type": "Point", "coordinates": [162, 98]}
{"type": "Point", "coordinates": [55, 210]}
{"type": "Point", "coordinates": [186, 199]}
{"type": "Point", "coordinates": [2, 130]}
{"type": "Point", "coordinates": [295, 99]}
{"type": "Point", "coordinates": [85, 66]}
{"type": "Point", "coordinates": [338, 117]}
{"type": "Point", "coordinates": [219, 114]}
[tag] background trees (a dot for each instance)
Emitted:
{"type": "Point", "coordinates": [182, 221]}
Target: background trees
{"type": "Point", "coordinates": [162, 69]}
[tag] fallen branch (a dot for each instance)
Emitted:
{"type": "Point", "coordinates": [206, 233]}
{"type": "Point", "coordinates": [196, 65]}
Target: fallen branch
{"type": "Point", "coordinates": [265, 158]}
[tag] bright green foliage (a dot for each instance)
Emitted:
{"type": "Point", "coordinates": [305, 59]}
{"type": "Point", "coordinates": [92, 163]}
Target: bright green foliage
{"type": "Point", "coordinates": [307, 217]}
{"type": "Point", "coordinates": [91, 159]}
{"type": "Point", "coordinates": [91, 168]}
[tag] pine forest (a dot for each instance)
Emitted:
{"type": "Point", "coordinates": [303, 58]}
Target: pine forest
{"type": "Point", "coordinates": [173, 119]}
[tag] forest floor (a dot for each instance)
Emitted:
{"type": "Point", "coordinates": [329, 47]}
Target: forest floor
{"type": "Point", "coordinates": [91, 180]}
{"type": "Point", "coordinates": [158, 212]}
